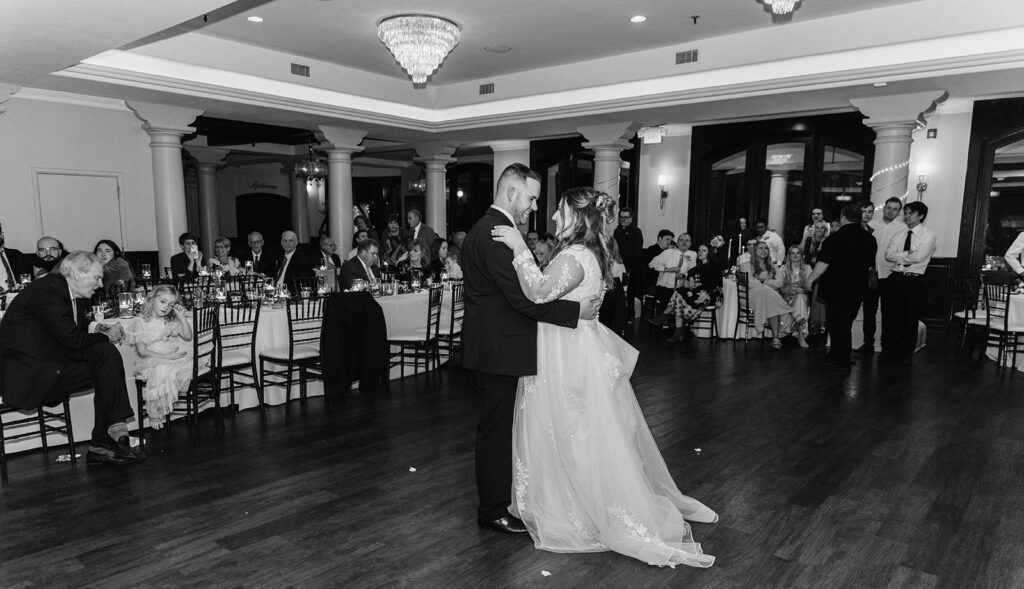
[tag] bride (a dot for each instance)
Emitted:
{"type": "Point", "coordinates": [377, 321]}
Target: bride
{"type": "Point", "coordinates": [588, 476]}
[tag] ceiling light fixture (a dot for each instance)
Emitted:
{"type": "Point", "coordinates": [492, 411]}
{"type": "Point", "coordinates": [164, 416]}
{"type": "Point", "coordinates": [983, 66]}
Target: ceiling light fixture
{"type": "Point", "coordinates": [497, 49]}
{"type": "Point", "coordinates": [638, 19]}
{"type": "Point", "coordinates": [255, 19]}
{"type": "Point", "coordinates": [652, 134]}
{"type": "Point", "coordinates": [782, 10]}
{"type": "Point", "coordinates": [419, 43]}
{"type": "Point", "coordinates": [880, 84]}
{"type": "Point", "coordinates": [313, 169]}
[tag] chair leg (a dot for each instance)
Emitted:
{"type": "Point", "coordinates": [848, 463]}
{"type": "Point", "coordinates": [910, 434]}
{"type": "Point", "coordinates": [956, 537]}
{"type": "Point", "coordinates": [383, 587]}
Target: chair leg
{"type": "Point", "coordinates": [69, 430]}
{"type": "Point", "coordinates": [42, 429]}
{"type": "Point", "coordinates": [258, 379]}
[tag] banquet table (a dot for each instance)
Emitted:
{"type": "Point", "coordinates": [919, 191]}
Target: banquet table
{"type": "Point", "coordinates": [403, 313]}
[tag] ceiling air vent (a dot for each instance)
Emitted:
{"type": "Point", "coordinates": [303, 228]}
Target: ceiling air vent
{"type": "Point", "coordinates": [300, 70]}
{"type": "Point", "coordinates": [686, 57]}
{"type": "Point", "coordinates": [487, 88]}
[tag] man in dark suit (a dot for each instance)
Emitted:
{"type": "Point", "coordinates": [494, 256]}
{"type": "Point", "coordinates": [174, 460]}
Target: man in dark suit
{"type": "Point", "coordinates": [418, 229]}
{"type": "Point", "coordinates": [12, 265]}
{"type": "Point", "coordinates": [844, 266]}
{"type": "Point", "coordinates": [186, 263]}
{"type": "Point", "coordinates": [263, 262]}
{"type": "Point", "coordinates": [499, 338]}
{"type": "Point", "coordinates": [48, 352]}
{"type": "Point", "coordinates": [293, 263]}
{"type": "Point", "coordinates": [363, 266]}
{"type": "Point", "coordinates": [328, 257]}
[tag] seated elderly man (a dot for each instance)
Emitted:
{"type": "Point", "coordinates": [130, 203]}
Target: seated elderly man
{"type": "Point", "coordinates": [48, 350]}
{"type": "Point", "coordinates": [365, 266]}
{"type": "Point", "coordinates": [49, 252]}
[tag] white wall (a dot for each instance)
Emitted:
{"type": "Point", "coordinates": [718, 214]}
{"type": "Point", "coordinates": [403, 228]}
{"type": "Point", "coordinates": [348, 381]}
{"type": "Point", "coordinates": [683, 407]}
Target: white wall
{"type": "Point", "coordinates": [80, 138]}
{"type": "Point", "coordinates": [670, 158]}
{"type": "Point", "coordinates": [945, 158]}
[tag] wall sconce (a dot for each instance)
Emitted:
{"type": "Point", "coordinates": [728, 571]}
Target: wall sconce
{"type": "Point", "coordinates": [662, 181]}
{"type": "Point", "coordinates": [922, 180]}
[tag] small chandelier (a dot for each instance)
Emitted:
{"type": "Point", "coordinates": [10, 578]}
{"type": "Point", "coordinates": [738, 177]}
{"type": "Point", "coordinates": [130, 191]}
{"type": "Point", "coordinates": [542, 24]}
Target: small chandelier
{"type": "Point", "coordinates": [782, 10]}
{"type": "Point", "coordinates": [312, 168]}
{"type": "Point", "coordinates": [419, 43]}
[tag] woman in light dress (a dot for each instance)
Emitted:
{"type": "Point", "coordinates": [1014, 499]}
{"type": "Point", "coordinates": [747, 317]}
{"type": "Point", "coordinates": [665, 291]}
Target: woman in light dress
{"type": "Point", "coordinates": [588, 476]}
{"type": "Point", "coordinates": [795, 291]}
{"type": "Point", "coordinates": [764, 281]}
{"type": "Point", "coordinates": [223, 259]}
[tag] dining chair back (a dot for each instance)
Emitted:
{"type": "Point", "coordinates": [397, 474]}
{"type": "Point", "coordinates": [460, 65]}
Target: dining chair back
{"type": "Point", "coordinates": [744, 314]}
{"type": "Point", "coordinates": [997, 306]}
{"type": "Point", "coordinates": [305, 322]}
{"type": "Point", "coordinates": [420, 347]}
{"type": "Point", "coordinates": [236, 346]}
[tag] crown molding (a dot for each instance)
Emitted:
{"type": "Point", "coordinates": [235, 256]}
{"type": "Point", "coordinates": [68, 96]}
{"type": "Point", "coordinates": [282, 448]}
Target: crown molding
{"type": "Point", "coordinates": [41, 95]}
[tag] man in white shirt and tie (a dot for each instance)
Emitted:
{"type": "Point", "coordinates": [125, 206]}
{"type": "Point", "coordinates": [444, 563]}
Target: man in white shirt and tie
{"type": "Point", "coordinates": [670, 265]}
{"type": "Point", "coordinates": [909, 252]}
{"type": "Point", "coordinates": [883, 230]}
{"type": "Point", "coordinates": [1012, 256]}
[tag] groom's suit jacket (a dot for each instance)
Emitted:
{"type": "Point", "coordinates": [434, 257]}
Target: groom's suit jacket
{"type": "Point", "coordinates": [499, 331]}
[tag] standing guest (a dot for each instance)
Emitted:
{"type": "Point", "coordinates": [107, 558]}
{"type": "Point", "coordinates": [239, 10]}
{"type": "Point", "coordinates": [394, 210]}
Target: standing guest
{"type": "Point", "coordinates": [393, 244]}
{"type": "Point", "coordinates": [672, 266]}
{"type": "Point", "coordinates": [162, 341]}
{"type": "Point", "coordinates": [650, 276]}
{"type": "Point", "coordinates": [457, 238]}
{"type": "Point", "coordinates": [773, 239]}
{"type": "Point", "coordinates": [328, 248]}
{"type": "Point", "coordinates": [737, 235]}
{"type": "Point", "coordinates": [532, 238]}
{"type": "Point", "coordinates": [49, 253]}
{"type": "Point", "coordinates": [418, 229]}
{"type": "Point", "coordinates": [223, 259]}
{"type": "Point", "coordinates": [262, 262]}
{"type": "Point", "coordinates": [365, 266]}
{"type": "Point", "coordinates": [360, 236]}
{"type": "Point", "coordinates": [117, 272]}
{"type": "Point", "coordinates": [1013, 254]}
{"type": "Point", "coordinates": [12, 265]}
{"type": "Point", "coordinates": [697, 291]}
{"type": "Point", "coordinates": [49, 349]}
{"type": "Point", "coordinates": [844, 266]}
{"type": "Point", "coordinates": [817, 219]}
{"type": "Point", "coordinates": [811, 244]}
{"type": "Point", "coordinates": [867, 214]}
{"type": "Point", "coordinates": [717, 251]}
{"type": "Point", "coordinates": [883, 231]}
{"type": "Point", "coordinates": [630, 241]}
{"type": "Point", "coordinates": [833, 226]}
{"type": "Point", "coordinates": [187, 263]}
{"type": "Point", "coordinates": [543, 252]}
{"type": "Point", "coordinates": [795, 290]}
{"type": "Point", "coordinates": [909, 251]}
{"type": "Point", "coordinates": [292, 264]}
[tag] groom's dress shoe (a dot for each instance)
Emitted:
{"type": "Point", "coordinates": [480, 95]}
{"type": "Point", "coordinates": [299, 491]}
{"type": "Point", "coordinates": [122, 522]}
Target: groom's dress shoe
{"type": "Point", "coordinates": [506, 525]}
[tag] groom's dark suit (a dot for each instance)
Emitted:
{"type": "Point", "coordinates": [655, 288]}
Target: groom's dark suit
{"type": "Point", "coordinates": [499, 344]}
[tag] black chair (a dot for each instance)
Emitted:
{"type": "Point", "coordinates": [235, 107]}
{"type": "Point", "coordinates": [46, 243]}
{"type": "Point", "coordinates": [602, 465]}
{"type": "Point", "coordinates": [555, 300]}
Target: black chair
{"type": "Point", "coordinates": [305, 321]}
{"type": "Point", "coordinates": [744, 314]}
{"type": "Point", "coordinates": [706, 320]}
{"type": "Point", "coordinates": [965, 320]}
{"type": "Point", "coordinates": [421, 346]}
{"type": "Point", "coordinates": [302, 282]}
{"type": "Point", "coordinates": [1000, 335]}
{"type": "Point", "coordinates": [450, 335]}
{"type": "Point", "coordinates": [204, 388]}
{"type": "Point", "coordinates": [236, 347]}
{"type": "Point", "coordinates": [248, 286]}
{"type": "Point", "coordinates": [42, 422]}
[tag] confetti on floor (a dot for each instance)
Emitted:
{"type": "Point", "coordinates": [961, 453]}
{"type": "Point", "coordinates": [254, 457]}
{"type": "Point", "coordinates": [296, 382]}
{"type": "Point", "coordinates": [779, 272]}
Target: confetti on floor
{"type": "Point", "coordinates": [545, 573]}
{"type": "Point", "coordinates": [412, 469]}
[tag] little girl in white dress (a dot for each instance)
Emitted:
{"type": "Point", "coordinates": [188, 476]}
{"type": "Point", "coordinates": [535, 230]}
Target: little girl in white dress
{"type": "Point", "coordinates": [163, 339]}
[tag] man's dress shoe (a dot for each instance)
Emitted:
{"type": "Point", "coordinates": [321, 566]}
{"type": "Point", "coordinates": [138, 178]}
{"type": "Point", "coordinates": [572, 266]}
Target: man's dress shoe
{"type": "Point", "coordinates": [506, 525]}
{"type": "Point", "coordinates": [111, 451]}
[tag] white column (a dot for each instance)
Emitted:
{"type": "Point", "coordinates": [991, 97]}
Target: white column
{"type": "Point", "coordinates": [894, 119]}
{"type": "Point", "coordinates": [507, 153]}
{"type": "Point", "coordinates": [343, 143]}
{"type": "Point", "coordinates": [777, 201]}
{"type": "Point", "coordinates": [300, 204]}
{"type": "Point", "coordinates": [607, 142]}
{"type": "Point", "coordinates": [435, 157]}
{"type": "Point", "coordinates": [166, 125]}
{"type": "Point", "coordinates": [209, 160]}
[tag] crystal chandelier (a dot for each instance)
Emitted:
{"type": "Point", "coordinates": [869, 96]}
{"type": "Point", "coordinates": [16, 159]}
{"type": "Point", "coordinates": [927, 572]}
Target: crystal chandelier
{"type": "Point", "coordinates": [782, 10]}
{"type": "Point", "coordinates": [312, 168]}
{"type": "Point", "coordinates": [419, 43]}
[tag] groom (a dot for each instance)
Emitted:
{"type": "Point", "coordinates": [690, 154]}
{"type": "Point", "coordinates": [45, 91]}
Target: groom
{"type": "Point", "coordinates": [499, 337]}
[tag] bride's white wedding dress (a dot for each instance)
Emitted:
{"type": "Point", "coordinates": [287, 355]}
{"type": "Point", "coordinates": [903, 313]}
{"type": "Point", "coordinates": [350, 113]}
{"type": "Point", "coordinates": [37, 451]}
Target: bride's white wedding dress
{"type": "Point", "coordinates": [588, 474]}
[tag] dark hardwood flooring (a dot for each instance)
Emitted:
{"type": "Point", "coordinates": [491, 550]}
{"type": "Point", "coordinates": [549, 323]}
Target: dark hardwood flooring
{"type": "Point", "coordinates": [888, 477]}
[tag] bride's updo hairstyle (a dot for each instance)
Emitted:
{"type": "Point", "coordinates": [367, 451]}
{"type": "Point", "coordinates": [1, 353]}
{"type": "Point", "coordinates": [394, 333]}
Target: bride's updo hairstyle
{"type": "Point", "coordinates": [590, 212]}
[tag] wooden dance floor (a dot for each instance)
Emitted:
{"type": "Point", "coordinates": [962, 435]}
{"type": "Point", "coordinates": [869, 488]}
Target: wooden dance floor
{"type": "Point", "coordinates": [892, 477]}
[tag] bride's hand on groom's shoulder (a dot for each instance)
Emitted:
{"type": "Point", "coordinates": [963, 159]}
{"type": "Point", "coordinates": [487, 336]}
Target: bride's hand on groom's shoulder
{"type": "Point", "coordinates": [510, 236]}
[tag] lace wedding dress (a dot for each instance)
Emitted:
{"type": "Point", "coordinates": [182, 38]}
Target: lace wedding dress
{"type": "Point", "coordinates": [588, 474]}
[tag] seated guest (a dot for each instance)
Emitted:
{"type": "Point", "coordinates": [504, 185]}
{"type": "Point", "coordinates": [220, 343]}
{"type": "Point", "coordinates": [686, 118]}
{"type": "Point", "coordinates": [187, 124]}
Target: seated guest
{"type": "Point", "coordinates": [451, 264]}
{"type": "Point", "coordinates": [671, 264]}
{"type": "Point", "coordinates": [363, 224]}
{"type": "Point", "coordinates": [695, 291]}
{"type": "Point", "coordinates": [187, 263]}
{"type": "Point", "coordinates": [543, 252]}
{"type": "Point", "coordinates": [49, 253]}
{"type": "Point", "coordinates": [117, 272]}
{"type": "Point", "coordinates": [817, 220]}
{"type": "Point", "coordinates": [292, 264]}
{"type": "Point", "coordinates": [813, 240]}
{"type": "Point", "coordinates": [261, 260]}
{"type": "Point", "coordinates": [717, 252]}
{"type": "Point", "coordinates": [833, 226]}
{"type": "Point", "coordinates": [764, 280]}
{"type": "Point", "coordinates": [393, 243]}
{"type": "Point", "coordinates": [439, 257]}
{"type": "Point", "coordinates": [48, 351]}
{"type": "Point", "coordinates": [360, 236]}
{"type": "Point", "coordinates": [796, 291]}
{"type": "Point", "coordinates": [365, 266]}
{"type": "Point", "coordinates": [328, 256]}
{"type": "Point", "coordinates": [417, 260]}
{"type": "Point", "coordinates": [12, 265]}
{"type": "Point", "coordinates": [743, 260]}
{"type": "Point", "coordinates": [457, 238]}
{"type": "Point", "coordinates": [222, 257]}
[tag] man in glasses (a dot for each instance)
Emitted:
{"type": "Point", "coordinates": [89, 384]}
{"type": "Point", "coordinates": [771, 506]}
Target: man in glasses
{"type": "Point", "coordinates": [49, 253]}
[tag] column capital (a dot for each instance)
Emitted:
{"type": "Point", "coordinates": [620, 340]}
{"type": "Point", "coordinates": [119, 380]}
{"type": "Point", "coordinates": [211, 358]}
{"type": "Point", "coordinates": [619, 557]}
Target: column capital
{"type": "Point", "coordinates": [6, 91]}
{"type": "Point", "coordinates": [899, 109]}
{"type": "Point", "coordinates": [437, 162]}
{"type": "Point", "coordinates": [208, 156]}
{"type": "Point", "coordinates": [508, 145]}
{"type": "Point", "coordinates": [612, 135]}
{"type": "Point", "coordinates": [163, 119]}
{"type": "Point", "coordinates": [341, 137]}
{"type": "Point", "coordinates": [342, 153]}
{"type": "Point", "coordinates": [433, 149]}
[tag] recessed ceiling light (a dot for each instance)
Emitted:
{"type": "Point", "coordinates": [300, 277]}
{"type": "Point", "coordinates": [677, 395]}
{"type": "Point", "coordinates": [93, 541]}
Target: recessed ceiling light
{"type": "Point", "coordinates": [638, 19]}
{"type": "Point", "coordinates": [497, 49]}
{"type": "Point", "coordinates": [880, 84]}
{"type": "Point", "coordinates": [255, 19]}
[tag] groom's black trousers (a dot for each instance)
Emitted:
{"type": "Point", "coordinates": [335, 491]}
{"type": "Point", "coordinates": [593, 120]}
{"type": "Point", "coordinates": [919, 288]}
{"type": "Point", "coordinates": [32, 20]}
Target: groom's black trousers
{"type": "Point", "coordinates": [497, 395]}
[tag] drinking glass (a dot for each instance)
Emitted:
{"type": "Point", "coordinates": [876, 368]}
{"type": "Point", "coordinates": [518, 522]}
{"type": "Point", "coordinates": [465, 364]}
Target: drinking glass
{"type": "Point", "coordinates": [97, 312]}
{"type": "Point", "coordinates": [147, 272]}
{"type": "Point", "coordinates": [248, 267]}
{"type": "Point", "coordinates": [305, 292]}
{"type": "Point", "coordinates": [125, 301]}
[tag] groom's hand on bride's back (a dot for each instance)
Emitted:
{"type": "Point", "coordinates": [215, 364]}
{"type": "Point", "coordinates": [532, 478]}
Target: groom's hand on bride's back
{"type": "Point", "coordinates": [589, 308]}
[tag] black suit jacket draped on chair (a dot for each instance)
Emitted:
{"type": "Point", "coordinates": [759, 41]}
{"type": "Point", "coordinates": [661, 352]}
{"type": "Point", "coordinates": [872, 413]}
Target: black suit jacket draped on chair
{"type": "Point", "coordinates": [37, 336]}
{"type": "Point", "coordinates": [353, 344]}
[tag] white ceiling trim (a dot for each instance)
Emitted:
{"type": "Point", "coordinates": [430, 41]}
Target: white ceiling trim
{"type": "Point", "coordinates": [41, 95]}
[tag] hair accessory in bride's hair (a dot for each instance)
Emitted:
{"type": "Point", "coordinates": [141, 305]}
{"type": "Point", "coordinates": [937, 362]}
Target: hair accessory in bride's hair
{"type": "Point", "coordinates": [602, 201]}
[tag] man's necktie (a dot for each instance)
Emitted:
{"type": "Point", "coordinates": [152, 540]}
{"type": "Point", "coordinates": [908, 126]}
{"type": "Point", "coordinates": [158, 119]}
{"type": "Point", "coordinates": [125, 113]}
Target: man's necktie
{"type": "Point", "coordinates": [906, 242]}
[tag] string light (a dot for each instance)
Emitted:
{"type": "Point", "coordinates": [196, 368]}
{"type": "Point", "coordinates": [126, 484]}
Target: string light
{"type": "Point", "coordinates": [886, 170]}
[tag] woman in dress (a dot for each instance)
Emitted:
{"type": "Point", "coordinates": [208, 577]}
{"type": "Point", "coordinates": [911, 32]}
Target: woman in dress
{"type": "Point", "coordinates": [439, 258]}
{"type": "Point", "coordinates": [415, 261]}
{"type": "Point", "coordinates": [795, 291]}
{"type": "Point", "coordinates": [588, 476]}
{"type": "Point", "coordinates": [764, 281]}
{"type": "Point", "coordinates": [222, 257]}
{"type": "Point", "coordinates": [117, 273]}
{"type": "Point", "coordinates": [392, 245]}
{"type": "Point", "coordinates": [697, 290]}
